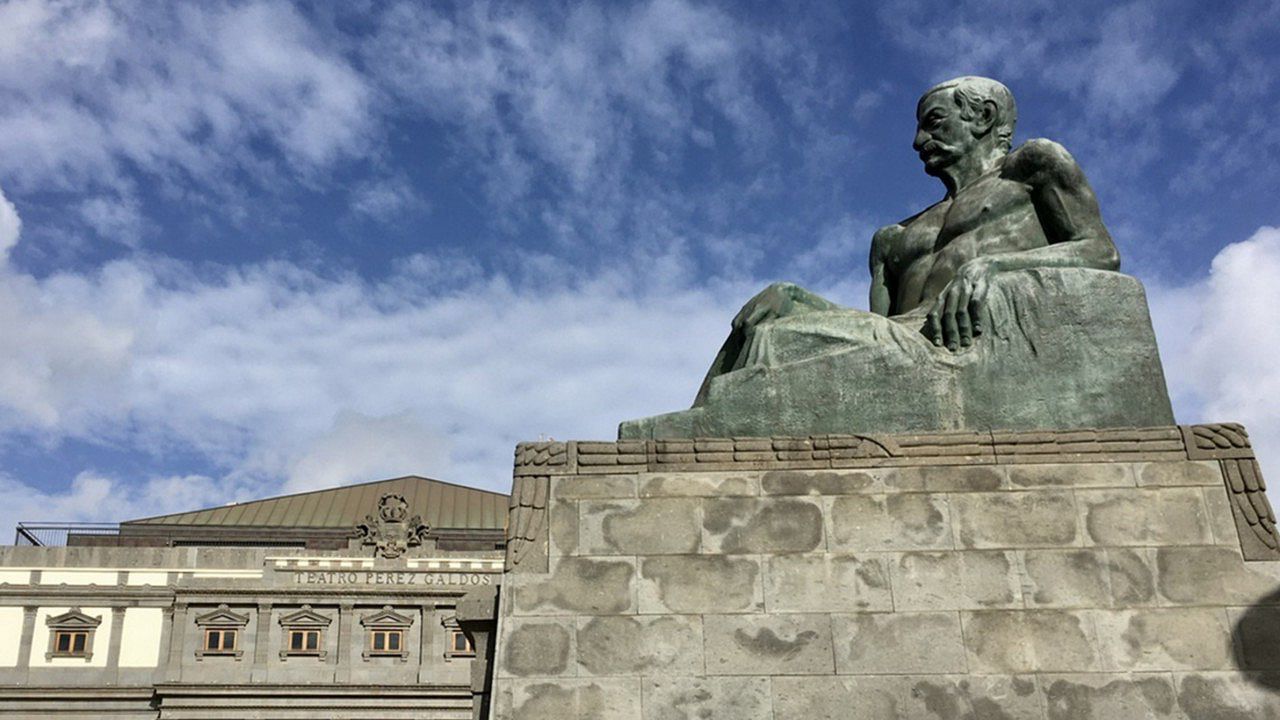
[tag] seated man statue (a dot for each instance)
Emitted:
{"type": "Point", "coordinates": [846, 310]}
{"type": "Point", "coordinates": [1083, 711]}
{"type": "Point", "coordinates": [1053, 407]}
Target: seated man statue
{"type": "Point", "coordinates": [1010, 217]}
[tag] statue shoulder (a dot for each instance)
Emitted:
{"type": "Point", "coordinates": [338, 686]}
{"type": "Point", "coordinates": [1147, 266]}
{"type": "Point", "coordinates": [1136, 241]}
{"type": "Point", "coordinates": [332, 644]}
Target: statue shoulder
{"type": "Point", "coordinates": [1040, 160]}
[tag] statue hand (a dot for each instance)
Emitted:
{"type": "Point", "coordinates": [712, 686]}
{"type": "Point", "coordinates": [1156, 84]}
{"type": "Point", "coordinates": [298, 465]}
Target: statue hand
{"type": "Point", "coordinates": [956, 316]}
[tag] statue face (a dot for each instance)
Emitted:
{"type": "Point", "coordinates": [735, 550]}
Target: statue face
{"type": "Point", "coordinates": [942, 136]}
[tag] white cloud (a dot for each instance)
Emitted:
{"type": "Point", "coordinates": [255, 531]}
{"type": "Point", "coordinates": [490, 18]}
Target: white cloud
{"type": "Point", "coordinates": [97, 90]}
{"type": "Point", "coordinates": [1219, 343]}
{"type": "Point", "coordinates": [360, 448]}
{"type": "Point", "coordinates": [10, 227]}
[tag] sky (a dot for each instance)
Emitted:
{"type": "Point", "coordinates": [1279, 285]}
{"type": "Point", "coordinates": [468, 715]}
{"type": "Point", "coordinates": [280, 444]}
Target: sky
{"type": "Point", "coordinates": [257, 247]}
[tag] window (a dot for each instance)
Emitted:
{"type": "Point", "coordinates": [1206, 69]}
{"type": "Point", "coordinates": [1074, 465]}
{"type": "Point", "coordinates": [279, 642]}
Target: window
{"type": "Point", "coordinates": [386, 641]}
{"type": "Point", "coordinates": [460, 644]}
{"type": "Point", "coordinates": [304, 642]}
{"type": "Point", "coordinates": [304, 634]}
{"type": "Point", "coordinates": [388, 634]}
{"type": "Point", "coordinates": [221, 630]}
{"type": "Point", "coordinates": [71, 635]}
{"type": "Point", "coordinates": [70, 643]}
{"type": "Point", "coordinates": [219, 641]}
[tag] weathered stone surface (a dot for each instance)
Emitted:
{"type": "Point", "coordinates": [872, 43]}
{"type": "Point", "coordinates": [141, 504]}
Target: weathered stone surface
{"type": "Point", "coordinates": [792, 644]}
{"type": "Point", "coordinates": [1221, 520]}
{"type": "Point", "coordinates": [537, 647]}
{"type": "Point", "coordinates": [947, 478]}
{"type": "Point", "coordinates": [907, 521]}
{"type": "Point", "coordinates": [651, 526]}
{"type": "Point", "coordinates": [700, 584]}
{"type": "Point", "coordinates": [949, 580]}
{"type": "Point", "coordinates": [1156, 516]}
{"type": "Point", "coordinates": [1228, 696]}
{"type": "Point", "coordinates": [1103, 697]}
{"type": "Point", "coordinates": [564, 528]}
{"type": "Point", "coordinates": [875, 643]}
{"type": "Point", "coordinates": [570, 699]}
{"type": "Point", "coordinates": [1200, 575]}
{"type": "Point", "coordinates": [1071, 475]}
{"type": "Point", "coordinates": [709, 698]}
{"type": "Point", "coordinates": [756, 525]}
{"type": "Point", "coordinates": [822, 482]}
{"type": "Point", "coordinates": [907, 697]}
{"type": "Point", "coordinates": [1155, 639]}
{"type": "Point", "coordinates": [1131, 576]}
{"type": "Point", "coordinates": [862, 373]}
{"type": "Point", "coordinates": [822, 582]}
{"type": "Point", "coordinates": [1191, 472]}
{"type": "Point", "coordinates": [593, 487]}
{"type": "Point", "coordinates": [1038, 518]}
{"type": "Point", "coordinates": [1067, 578]}
{"type": "Point", "coordinates": [698, 484]}
{"type": "Point", "coordinates": [640, 645]}
{"type": "Point", "coordinates": [578, 586]}
{"type": "Point", "coordinates": [1015, 641]}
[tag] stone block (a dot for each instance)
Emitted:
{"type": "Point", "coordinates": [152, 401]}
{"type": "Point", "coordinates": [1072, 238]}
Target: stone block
{"type": "Point", "coordinates": [1222, 521]}
{"type": "Point", "coordinates": [577, 586]}
{"type": "Point", "coordinates": [1037, 518]}
{"type": "Point", "coordinates": [564, 528]}
{"type": "Point", "coordinates": [791, 644]}
{"type": "Point", "coordinates": [703, 484]}
{"type": "Point", "coordinates": [907, 697]}
{"type": "Point", "coordinates": [821, 582]}
{"type": "Point", "coordinates": [1164, 639]}
{"type": "Point", "coordinates": [1147, 517]}
{"type": "Point", "coordinates": [907, 521]}
{"type": "Point", "coordinates": [1257, 638]}
{"type": "Point", "coordinates": [903, 642]}
{"type": "Point", "coordinates": [700, 584]}
{"type": "Point", "coordinates": [1171, 474]}
{"type": "Point", "coordinates": [951, 580]}
{"type": "Point", "coordinates": [822, 482]}
{"type": "Point", "coordinates": [570, 699]}
{"type": "Point", "coordinates": [537, 646]}
{"type": "Point", "coordinates": [1131, 577]}
{"type": "Point", "coordinates": [1228, 696]}
{"type": "Point", "coordinates": [947, 478]}
{"type": "Point", "coordinates": [1108, 697]}
{"type": "Point", "coordinates": [762, 525]}
{"type": "Point", "coordinates": [650, 526]}
{"type": "Point", "coordinates": [1016, 641]}
{"type": "Point", "coordinates": [1214, 575]}
{"type": "Point", "coordinates": [707, 698]}
{"type": "Point", "coordinates": [593, 487]}
{"type": "Point", "coordinates": [1076, 578]}
{"type": "Point", "coordinates": [1069, 475]}
{"type": "Point", "coordinates": [640, 645]}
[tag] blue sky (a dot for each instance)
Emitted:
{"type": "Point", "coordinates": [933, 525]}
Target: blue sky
{"type": "Point", "coordinates": [257, 247]}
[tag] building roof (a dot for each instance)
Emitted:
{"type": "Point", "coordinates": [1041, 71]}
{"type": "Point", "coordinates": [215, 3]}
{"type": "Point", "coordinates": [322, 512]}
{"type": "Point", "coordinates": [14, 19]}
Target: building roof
{"type": "Point", "coordinates": [441, 505]}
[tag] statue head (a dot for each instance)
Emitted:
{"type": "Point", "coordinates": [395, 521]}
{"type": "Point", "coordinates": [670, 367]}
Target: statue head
{"type": "Point", "coordinates": [962, 116]}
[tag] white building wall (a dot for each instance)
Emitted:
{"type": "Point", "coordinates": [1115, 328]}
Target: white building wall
{"type": "Point", "coordinates": [140, 637]}
{"type": "Point", "coordinates": [78, 577]}
{"type": "Point", "coordinates": [10, 635]}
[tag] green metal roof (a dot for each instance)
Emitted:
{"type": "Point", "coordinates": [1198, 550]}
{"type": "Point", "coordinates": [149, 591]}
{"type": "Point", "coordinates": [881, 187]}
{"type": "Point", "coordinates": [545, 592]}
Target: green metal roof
{"type": "Point", "coordinates": [441, 505]}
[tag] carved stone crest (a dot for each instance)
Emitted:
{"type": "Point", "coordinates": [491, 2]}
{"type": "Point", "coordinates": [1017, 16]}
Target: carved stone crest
{"type": "Point", "coordinates": [389, 530]}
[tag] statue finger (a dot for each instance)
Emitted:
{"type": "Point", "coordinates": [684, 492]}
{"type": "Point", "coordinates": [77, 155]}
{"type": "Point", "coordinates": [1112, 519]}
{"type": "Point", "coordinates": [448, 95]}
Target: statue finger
{"type": "Point", "coordinates": [933, 324]}
{"type": "Point", "coordinates": [978, 305]}
{"type": "Point", "coordinates": [949, 326]}
{"type": "Point", "coordinates": [963, 320]}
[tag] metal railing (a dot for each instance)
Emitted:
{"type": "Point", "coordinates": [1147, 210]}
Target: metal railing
{"type": "Point", "coordinates": [51, 534]}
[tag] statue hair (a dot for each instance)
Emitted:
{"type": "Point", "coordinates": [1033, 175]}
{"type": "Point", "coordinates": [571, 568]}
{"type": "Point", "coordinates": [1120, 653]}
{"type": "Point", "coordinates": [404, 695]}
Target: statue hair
{"type": "Point", "coordinates": [971, 91]}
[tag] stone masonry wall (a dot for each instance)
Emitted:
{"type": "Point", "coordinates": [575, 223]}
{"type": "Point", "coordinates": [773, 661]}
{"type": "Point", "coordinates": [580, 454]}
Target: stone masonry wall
{"type": "Point", "coordinates": [1079, 577]}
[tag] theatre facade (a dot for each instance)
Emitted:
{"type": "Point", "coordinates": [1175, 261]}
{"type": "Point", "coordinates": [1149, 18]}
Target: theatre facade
{"type": "Point", "coordinates": [366, 601]}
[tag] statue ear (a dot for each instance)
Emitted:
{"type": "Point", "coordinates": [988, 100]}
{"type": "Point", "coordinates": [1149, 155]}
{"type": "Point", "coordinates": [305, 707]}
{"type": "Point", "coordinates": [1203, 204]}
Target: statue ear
{"type": "Point", "coordinates": [984, 121]}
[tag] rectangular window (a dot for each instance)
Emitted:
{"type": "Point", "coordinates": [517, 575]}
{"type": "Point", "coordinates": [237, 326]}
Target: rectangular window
{"type": "Point", "coordinates": [386, 641]}
{"type": "Point", "coordinates": [304, 642]}
{"type": "Point", "coordinates": [219, 641]}
{"type": "Point", "coordinates": [459, 644]}
{"type": "Point", "coordinates": [70, 642]}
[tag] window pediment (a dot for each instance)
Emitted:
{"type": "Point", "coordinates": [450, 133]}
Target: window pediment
{"type": "Point", "coordinates": [73, 619]}
{"type": "Point", "coordinates": [305, 617]}
{"type": "Point", "coordinates": [386, 618]}
{"type": "Point", "coordinates": [222, 616]}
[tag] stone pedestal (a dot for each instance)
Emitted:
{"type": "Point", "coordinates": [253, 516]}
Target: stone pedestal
{"type": "Point", "coordinates": [1029, 575]}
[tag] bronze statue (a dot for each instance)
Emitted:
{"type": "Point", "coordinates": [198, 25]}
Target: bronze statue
{"type": "Point", "coordinates": [1019, 223]}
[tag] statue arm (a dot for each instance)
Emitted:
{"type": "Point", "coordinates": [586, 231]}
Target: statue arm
{"type": "Point", "coordinates": [1068, 211]}
{"type": "Point", "coordinates": [882, 290]}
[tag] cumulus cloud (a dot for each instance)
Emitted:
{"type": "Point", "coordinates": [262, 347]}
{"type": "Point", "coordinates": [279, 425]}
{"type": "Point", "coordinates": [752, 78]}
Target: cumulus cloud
{"type": "Point", "coordinates": [10, 227]}
{"type": "Point", "coordinates": [1219, 345]}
